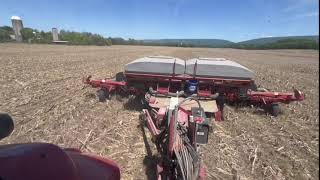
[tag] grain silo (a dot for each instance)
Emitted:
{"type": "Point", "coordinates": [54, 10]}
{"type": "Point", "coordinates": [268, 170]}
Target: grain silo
{"type": "Point", "coordinates": [55, 34]}
{"type": "Point", "coordinates": [17, 27]}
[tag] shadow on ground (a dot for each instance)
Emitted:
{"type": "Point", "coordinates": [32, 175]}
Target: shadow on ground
{"type": "Point", "coordinates": [150, 160]}
{"type": "Point", "coordinates": [134, 104]}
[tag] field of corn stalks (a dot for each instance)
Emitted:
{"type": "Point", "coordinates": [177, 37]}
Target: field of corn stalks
{"type": "Point", "coordinates": [41, 88]}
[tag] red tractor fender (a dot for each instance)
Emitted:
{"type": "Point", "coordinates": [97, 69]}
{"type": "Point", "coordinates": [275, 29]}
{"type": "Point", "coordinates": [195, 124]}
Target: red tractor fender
{"type": "Point", "coordinates": [38, 161]}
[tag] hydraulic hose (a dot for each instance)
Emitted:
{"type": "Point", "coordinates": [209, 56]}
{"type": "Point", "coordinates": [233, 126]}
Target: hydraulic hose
{"type": "Point", "coordinates": [184, 158]}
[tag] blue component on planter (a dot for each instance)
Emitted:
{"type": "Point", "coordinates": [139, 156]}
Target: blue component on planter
{"type": "Point", "coordinates": [192, 85]}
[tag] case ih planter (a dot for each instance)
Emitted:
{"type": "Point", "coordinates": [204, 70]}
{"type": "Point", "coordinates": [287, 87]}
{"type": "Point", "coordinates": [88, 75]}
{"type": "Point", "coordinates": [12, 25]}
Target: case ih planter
{"type": "Point", "coordinates": [181, 97]}
{"type": "Point", "coordinates": [200, 77]}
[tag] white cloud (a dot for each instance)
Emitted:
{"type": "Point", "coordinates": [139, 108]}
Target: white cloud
{"type": "Point", "coordinates": [309, 14]}
{"type": "Point", "coordinates": [177, 7]}
{"type": "Point", "coordinates": [300, 16]}
{"type": "Point", "coordinates": [265, 36]}
{"type": "Point", "coordinates": [299, 4]}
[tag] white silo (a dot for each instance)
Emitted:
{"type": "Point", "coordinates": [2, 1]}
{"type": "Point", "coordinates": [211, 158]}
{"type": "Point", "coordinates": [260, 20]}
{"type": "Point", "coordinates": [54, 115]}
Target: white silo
{"type": "Point", "coordinates": [55, 34]}
{"type": "Point", "coordinates": [17, 27]}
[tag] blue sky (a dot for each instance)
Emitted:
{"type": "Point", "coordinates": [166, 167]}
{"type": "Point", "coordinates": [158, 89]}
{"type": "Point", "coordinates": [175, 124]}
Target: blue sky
{"type": "Point", "coordinates": [234, 20]}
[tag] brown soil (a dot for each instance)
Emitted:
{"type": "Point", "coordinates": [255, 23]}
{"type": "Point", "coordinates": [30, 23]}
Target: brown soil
{"type": "Point", "coordinates": [40, 86]}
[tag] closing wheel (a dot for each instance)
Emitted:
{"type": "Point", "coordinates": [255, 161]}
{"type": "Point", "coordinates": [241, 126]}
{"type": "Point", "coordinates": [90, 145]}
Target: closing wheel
{"type": "Point", "coordinates": [119, 77]}
{"type": "Point", "coordinates": [253, 87]}
{"type": "Point", "coordinates": [103, 95]}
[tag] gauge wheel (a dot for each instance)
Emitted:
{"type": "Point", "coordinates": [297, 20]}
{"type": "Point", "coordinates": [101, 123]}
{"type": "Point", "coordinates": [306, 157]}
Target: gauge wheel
{"type": "Point", "coordinates": [103, 95]}
{"type": "Point", "coordinates": [275, 110]}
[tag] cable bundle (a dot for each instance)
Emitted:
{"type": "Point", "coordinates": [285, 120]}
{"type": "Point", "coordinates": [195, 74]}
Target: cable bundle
{"type": "Point", "coordinates": [186, 155]}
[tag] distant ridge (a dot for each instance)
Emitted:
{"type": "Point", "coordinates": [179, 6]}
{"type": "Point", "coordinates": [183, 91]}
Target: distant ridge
{"type": "Point", "coordinates": [190, 42]}
{"type": "Point", "coordinates": [261, 41]}
{"type": "Point", "coordinates": [285, 42]}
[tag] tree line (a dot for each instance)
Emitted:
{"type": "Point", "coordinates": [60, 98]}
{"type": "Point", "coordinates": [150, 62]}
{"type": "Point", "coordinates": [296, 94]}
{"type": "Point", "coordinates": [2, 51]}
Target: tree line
{"type": "Point", "coordinates": [86, 38]}
{"type": "Point", "coordinates": [35, 36]}
{"type": "Point", "coordinates": [5, 32]}
{"type": "Point", "coordinates": [290, 43]}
